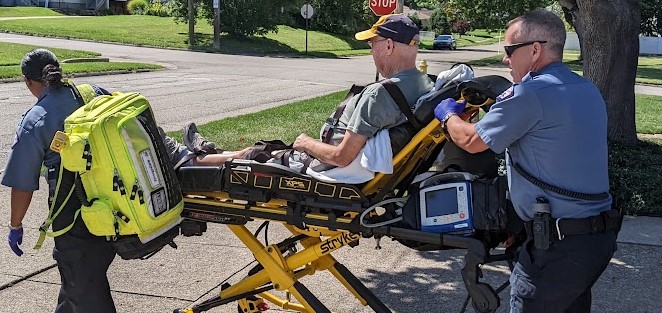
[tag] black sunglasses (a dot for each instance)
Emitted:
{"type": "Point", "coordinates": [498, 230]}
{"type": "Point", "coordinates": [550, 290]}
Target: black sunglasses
{"type": "Point", "coordinates": [510, 49]}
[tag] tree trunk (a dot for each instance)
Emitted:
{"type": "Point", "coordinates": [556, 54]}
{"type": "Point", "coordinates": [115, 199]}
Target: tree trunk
{"type": "Point", "coordinates": [610, 33]}
{"type": "Point", "coordinates": [569, 8]}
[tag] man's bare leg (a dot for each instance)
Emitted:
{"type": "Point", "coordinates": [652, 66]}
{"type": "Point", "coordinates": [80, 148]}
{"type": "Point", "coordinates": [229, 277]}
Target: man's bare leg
{"type": "Point", "coordinates": [218, 159]}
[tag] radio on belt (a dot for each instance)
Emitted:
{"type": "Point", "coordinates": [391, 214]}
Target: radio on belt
{"type": "Point", "coordinates": [446, 208]}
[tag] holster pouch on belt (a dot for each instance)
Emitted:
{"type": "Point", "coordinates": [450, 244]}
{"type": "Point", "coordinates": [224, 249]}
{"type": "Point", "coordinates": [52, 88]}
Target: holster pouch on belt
{"type": "Point", "coordinates": [541, 230]}
{"type": "Point", "coordinates": [546, 230]}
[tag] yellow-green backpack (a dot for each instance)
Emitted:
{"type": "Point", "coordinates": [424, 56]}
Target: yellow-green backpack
{"type": "Point", "coordinates": [127, 185]}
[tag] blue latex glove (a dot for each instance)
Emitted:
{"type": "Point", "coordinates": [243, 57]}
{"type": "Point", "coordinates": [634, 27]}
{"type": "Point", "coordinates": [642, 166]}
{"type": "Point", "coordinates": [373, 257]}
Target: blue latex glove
{"type": "Point", "coordinates": [447, 106]}
{"type": "Point", "coordinates": [15, 239]}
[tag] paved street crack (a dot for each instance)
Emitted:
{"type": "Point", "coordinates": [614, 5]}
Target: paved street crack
{"type": "Point", "coordinates": [18, 280]}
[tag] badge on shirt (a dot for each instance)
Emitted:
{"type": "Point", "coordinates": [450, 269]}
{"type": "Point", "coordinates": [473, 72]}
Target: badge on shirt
{"type": "Point", "coordinates": [506, 94]}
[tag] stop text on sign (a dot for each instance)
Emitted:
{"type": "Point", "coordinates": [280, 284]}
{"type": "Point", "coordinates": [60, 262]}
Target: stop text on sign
{"type": "Point", "coordinates": [383, 7]}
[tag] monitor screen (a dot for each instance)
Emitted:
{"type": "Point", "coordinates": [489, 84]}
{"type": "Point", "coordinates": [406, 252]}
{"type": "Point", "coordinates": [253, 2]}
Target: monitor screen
{"type": "Point", "coordinates": [441, 202]}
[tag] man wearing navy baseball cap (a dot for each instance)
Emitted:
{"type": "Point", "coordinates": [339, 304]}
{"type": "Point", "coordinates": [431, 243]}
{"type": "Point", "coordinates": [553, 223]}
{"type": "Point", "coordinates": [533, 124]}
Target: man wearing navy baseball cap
{"type": "Point", "coordinates": [395, 26]}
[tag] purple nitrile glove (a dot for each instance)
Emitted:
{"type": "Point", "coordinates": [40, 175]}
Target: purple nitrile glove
{"type": "Point", "coordinates": [447, 106]}
{"type": "Point", "coordinates": [15, 238]}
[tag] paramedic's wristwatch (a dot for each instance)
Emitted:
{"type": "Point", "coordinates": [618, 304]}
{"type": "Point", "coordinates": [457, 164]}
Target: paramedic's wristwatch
{"type": "Point", "coordinates": [445, 120]}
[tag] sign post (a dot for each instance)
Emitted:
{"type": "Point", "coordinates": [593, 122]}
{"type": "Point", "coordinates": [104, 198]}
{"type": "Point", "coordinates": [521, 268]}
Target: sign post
{"type": "Point", "coordinates": [383, 7]}
{"type": "Point", "coordinates": [217, 24]}
{"type": "Point", "coordinates": [191, 23]}
{"type": "Point", "coordinates": [307, 13]}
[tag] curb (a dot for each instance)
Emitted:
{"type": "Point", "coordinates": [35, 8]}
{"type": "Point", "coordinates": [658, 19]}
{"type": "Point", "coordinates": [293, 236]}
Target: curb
{"type": "Point", "coordinates": [18, 79]}
{"type": "Point", "coordinates": [83, 60]}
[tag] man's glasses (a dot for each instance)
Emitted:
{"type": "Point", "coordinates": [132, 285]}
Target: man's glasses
{"type": "Point", "coordinates": [371, 42]}
{"type": "Point", "coordinates": [510, 49]}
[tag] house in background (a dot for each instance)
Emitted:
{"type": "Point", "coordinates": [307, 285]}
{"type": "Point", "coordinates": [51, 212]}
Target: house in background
{"type": "Point", "coordinates": [66, 5]}
{"type": "Point", "coordinates": [422, 14]}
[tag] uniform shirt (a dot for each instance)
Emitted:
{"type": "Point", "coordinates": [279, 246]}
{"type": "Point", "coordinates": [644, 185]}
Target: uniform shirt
{"type": "Point", "coordinates": [554, 125]}
{"type": "Point", "coordinates": [31, 147]}
{"type": "Point", "coordinates": [374, 109]}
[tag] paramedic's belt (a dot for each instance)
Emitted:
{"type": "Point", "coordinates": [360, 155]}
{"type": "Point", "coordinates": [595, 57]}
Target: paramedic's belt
{"type": "Point", "coordinates": [561, 227]}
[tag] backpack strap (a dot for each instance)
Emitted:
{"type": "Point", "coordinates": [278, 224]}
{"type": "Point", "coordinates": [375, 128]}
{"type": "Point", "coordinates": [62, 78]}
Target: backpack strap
{"type": "Point", "coordinates": [401, 101]}
{"type": "Point", "coordinates": [84, 93]}
{"type": "Point", "coordinates": [53, 214]}
{"type": "Point", "coordinates": [332, 121]}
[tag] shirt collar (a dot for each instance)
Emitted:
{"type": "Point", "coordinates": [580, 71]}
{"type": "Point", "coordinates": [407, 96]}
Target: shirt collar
{"type": "Point", "coordinates": [548, 68]}
{"type": "Point", "coordinates": [44, 92]}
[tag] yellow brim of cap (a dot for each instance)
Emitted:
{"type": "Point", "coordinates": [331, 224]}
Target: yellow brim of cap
{"type": "Point", "coordinates": [366, 34]}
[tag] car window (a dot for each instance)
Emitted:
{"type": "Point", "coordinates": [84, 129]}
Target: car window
{"type": "Point", "coordinates": [440, 37]}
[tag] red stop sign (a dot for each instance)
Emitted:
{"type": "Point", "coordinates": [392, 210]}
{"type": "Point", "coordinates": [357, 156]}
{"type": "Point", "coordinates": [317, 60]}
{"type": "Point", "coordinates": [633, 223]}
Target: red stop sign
{"type": "Point", "coordinates": [383, 7]}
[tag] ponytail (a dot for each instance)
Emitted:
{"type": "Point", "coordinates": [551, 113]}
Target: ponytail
{"type": "Point", "coordinates": [52, 76]}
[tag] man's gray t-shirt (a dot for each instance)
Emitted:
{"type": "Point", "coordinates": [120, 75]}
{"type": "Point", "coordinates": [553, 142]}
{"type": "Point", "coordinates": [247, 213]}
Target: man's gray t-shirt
{"type": "Point", "coordinates": [374, 109]}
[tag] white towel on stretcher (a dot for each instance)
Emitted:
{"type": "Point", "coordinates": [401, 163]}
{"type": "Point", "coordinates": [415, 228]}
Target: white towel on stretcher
{"type": "Point", "coordinates": [375, 157]}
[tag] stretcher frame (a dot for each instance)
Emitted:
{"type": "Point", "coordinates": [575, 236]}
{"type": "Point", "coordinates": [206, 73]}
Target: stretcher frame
{"type": "Point", "coordinates": [321, 233]}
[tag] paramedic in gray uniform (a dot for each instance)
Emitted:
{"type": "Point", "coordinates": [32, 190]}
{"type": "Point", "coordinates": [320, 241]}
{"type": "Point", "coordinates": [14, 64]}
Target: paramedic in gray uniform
{"type": "Point", "coordinates": [552, 124]}
{"type": "Point", "coordinates": [81, 257]}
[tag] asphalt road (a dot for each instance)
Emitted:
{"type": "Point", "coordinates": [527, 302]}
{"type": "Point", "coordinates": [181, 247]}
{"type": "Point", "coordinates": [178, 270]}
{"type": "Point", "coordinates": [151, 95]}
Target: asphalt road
{"type": "Point", "coordinates": [201, 87]}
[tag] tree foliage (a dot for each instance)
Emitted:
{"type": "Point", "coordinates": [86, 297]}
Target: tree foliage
{"type": "Point", "coordinates": [423, 4]}
{"type": "Point", "coordinates": [490, 14]}
{"type": "Point", "coordinates": [461, 27]}
{"type": "Point", "coordinates": [439, 23]}
{"type": "Point", "coordinates": [651, 17]}
{"type": "Point", "coordinates": [341, 16]}
{"type": "Point", "coordinates": [239, 18]}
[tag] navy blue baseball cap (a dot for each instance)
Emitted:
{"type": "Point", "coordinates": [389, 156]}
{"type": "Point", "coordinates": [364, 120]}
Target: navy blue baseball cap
{"type": "Point", "coordinates": [394, 26]}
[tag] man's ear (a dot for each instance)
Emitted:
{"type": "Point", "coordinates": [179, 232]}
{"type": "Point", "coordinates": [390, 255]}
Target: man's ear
{"type": "Point", "coordinates": [537, 51]}
{"type": "Point", "coordinates": [390, 45]}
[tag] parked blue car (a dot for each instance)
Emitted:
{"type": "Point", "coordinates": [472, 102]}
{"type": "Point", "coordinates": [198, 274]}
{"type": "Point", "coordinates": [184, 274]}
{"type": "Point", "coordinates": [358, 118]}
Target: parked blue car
{"type": "Point", "coordinates": [444, 42]}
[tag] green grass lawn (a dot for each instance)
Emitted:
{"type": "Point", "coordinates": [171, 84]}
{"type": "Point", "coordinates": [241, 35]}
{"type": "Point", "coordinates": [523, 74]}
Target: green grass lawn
{"type": "Point", "coordinates": [155, 31]}
{"type": "Point", "coordinates": [649, 70]}
{"type": "Point", "coordinates": [11, 55]}
{"type": "Point", "coordinates": [164, 32]}
{"type": "Point", "coordinates": [648, 114]}
{"type": "Point", "coordinates": [26, 11]}
{"type": "Point", "coordinates": [285, 122]}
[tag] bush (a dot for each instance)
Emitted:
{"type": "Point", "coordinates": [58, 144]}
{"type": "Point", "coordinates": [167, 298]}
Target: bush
{"type": "Point", "coordinates": [137, 7]}
{"type": "Point", "coordinates": [634, 176]}
{"type": "Point", "coordinates": [156, 8]}
{"type": "Point", "coordinates": [439, 23]}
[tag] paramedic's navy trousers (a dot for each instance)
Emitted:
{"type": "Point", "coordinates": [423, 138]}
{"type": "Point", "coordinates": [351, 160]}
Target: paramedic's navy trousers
{"type": "Point", "coordinates": [83, 260]}
{"type": "Point", "coordinates": [559, 280]}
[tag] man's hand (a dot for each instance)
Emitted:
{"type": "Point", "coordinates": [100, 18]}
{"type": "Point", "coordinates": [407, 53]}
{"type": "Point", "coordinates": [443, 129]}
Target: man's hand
{"type": "Point", "coordinates": [300, 143]}
{"type": "Point", "coordinates": [15, 239]}
{"type": "Point", "coordinates": [448, 107]}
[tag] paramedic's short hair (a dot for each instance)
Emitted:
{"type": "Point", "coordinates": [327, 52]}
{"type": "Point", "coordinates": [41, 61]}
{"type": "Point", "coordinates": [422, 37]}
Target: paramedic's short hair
{"type": "Point", "coordinates": [541, 25]}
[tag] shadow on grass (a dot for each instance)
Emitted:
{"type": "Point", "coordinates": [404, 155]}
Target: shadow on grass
{"type": "Point", "coordinates": [262, 46]}
{"type": "Point", "coordinates": [649, 71]}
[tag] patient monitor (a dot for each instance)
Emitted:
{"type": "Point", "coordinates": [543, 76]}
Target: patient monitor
{"type": "Point", "coordinates": [446, 208]}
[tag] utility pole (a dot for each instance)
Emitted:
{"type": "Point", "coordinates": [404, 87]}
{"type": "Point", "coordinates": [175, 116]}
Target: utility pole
{"type": "Point", "coordinates": [217, 24]}
{"type": "Point", "coordinates": [401, 6]}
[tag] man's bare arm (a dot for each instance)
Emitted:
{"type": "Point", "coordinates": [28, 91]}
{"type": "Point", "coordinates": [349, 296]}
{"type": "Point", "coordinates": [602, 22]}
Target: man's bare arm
{"type": "Point", "coordinates": [340, 155]}
{"type": "Point", "coordinates": [464, 135]}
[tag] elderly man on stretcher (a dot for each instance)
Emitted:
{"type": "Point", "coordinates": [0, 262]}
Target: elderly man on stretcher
{"type": "Point", "coordinates": [358, 128]}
